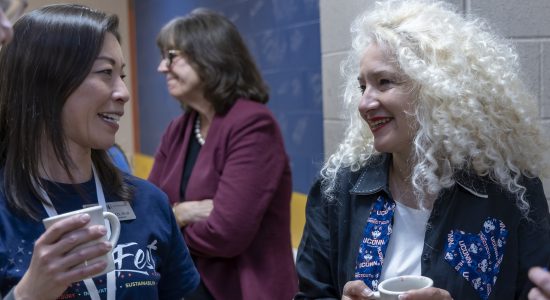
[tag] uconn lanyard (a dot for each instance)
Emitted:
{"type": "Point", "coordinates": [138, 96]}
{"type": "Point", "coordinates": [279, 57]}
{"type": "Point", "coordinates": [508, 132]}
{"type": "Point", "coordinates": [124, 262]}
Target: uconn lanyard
{"type": "Point", "coordinates": [90, 285]}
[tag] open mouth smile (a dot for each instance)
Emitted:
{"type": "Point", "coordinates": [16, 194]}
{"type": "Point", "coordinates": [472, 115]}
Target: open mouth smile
{"type": "Point", "coordinates": [110, 117]}
{"type": "Point", "coordinates": [377, 123]}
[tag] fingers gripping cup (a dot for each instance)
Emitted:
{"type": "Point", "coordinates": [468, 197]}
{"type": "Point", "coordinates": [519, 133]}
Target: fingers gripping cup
{"type": "Point", "coordinates": [97, 217]}
{"type": "Point", "coordinates": [391, 288]}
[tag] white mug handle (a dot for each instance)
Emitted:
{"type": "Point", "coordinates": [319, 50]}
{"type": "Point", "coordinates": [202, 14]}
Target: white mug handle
{"type": "Point", "coordinates": [376, 295]}
{"type": "Point", "coordinates": [115, 227]}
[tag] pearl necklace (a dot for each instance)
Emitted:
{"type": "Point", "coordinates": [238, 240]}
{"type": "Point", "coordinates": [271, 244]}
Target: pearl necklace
{"type": "Point", "coordinates": [198, 134]}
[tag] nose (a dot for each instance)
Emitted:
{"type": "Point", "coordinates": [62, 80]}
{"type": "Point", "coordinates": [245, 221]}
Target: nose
{"type": "Point", "coordinates": [369, 100]}
{"type": "Point", "coordinates": [163, 66]}
{"type": "Point", "coordinates": [120, 93]}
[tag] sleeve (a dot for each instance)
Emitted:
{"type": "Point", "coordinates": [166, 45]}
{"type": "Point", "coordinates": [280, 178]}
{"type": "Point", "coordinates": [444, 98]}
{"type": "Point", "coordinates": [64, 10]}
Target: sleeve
{"type": "Point", "coordinates": [313, 262]}
{"type": "Point", "coordinates": [179, 277]}
{"type": "Point", "coordinates": [255, 163]}
{"type": "Point", "coordinates": [534, 233]}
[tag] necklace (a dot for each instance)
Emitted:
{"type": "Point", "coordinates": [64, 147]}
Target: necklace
{"type": "Point", "coordinates": [198, 134]}
{"type": "Point", "coordinates": [401, 190]}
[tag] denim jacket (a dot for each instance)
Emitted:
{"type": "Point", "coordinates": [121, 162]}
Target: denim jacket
{"type": "Point", "coordinates": [462, 215]}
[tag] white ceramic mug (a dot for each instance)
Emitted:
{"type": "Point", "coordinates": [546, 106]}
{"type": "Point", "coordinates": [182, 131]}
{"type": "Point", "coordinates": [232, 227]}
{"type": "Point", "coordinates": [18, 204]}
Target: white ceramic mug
{"type": "Point", "coordinates": [391, 288]}
{"type": "Point", "coordinates": [97, 217]}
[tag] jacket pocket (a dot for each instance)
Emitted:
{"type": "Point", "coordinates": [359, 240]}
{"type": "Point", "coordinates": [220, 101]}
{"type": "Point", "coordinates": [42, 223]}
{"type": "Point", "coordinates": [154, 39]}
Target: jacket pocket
{"type": "Point", "coordinates": [477, 256]}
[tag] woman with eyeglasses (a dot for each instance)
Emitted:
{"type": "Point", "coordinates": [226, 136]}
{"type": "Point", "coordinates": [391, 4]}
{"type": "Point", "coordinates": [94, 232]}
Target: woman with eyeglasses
{"type": "Point", "coordinates": [61, 96]}
{"type": "Point", "coordinates": [223, 163]}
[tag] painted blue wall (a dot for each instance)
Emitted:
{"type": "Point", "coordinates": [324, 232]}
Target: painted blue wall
{"type": "Point", "coordinates": [284, 37]}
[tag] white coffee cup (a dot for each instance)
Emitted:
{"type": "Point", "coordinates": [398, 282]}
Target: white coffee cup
{"type": "Point", "coordinates": [97, 217]}
{"type": "Point", "coordinates": [391, 288]}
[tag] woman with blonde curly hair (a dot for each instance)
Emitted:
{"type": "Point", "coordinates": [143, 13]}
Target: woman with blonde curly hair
{"type": "Point", "coordinates": [438, 171]}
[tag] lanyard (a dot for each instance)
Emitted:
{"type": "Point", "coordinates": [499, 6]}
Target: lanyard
{"type": "Point", "coordinates": [89, 283]}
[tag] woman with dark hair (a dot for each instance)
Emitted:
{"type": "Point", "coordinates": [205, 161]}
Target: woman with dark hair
{"type": "Point", "coordinates": [223, 163]}
{"type": "Point", "coordinates": [61, 96]}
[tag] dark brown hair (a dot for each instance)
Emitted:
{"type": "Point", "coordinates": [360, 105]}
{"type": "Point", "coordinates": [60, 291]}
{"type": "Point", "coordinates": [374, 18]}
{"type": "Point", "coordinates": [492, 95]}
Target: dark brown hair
{"type": "Point", "coordinates": [52, 53]}
{"type": "Point", "coordinates": [218, 54]}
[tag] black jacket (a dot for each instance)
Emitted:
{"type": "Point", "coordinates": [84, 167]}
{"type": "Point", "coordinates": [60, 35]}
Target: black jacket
{"type": "Point", "coordinates": [333, 231]}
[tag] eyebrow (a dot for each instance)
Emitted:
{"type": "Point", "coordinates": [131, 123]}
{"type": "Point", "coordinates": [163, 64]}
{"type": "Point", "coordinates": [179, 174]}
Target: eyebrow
{"type": "Point", "coordinates": [110, 60]}
{"type": "Point", "coordinates": [379, 73]}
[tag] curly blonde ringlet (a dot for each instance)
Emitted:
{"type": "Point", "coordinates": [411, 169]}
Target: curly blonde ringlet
{"type": "Point", "coordinates": [473, 111]}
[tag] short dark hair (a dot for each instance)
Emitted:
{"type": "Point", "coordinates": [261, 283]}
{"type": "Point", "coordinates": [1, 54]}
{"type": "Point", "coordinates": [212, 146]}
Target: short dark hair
{"type": "Point", "coordinates": [218, 54]}
{"type": "Point", "coordinates": [53, 51]}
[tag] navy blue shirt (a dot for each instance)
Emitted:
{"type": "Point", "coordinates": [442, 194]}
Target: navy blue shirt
{"type": "Point", "coordinates": [151, 258]}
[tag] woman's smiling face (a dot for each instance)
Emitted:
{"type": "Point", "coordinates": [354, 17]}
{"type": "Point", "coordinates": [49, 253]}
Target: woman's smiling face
{"type": "Point", "coordinates": [91, 113]}
{"type": "Point", "coordinates": [386, 102]}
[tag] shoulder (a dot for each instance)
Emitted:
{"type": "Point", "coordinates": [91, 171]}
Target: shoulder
{"type": "Point", "coordinates": [370, 177]}
{"type": "Point", "coordinates": [244, 109]}
{"type": "Point", "coordinates": [146, 193]}
{"type": "Point", "coordinates": [344, 180]}
{"type": "Point", "coordinates": [178, 123]}
{"type": "Point", "coordinates": [484, 186]}
{"type": "Point", "coordinates": [248, 118]}
{"type": "Point", "coordinates": [534, 192]}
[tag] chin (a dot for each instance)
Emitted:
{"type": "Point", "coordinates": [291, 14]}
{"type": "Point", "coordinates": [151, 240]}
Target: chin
{"type": "Point", "coordinates": [103, 145]}
{"type": "Point", "coordinates": [381, 148]}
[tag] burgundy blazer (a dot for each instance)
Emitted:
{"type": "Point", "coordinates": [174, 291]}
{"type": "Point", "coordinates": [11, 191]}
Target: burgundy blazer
{"type": "Point", "coordinates": [243, 250]}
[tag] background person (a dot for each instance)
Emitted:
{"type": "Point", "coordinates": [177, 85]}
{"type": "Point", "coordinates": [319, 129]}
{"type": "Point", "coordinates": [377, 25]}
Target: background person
{"type": "Point", "coordinates": [223, 163]}
{"type": "Point", "coordinates": [437, 174]}
{"type": "Point", "coordinates": [10, 10]}
{"type": "Point", "coordinates": [120, 160]}
{"type": "Point", "coordinates": [61, 96]}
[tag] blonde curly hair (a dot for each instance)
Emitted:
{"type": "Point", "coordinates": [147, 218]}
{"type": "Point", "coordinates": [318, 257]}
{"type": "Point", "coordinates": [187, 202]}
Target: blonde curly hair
{"type": "Point", "coordinates": [473, 111]}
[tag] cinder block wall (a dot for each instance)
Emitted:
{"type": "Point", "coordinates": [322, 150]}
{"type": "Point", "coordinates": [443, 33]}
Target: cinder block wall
{"type": "Point", "coordinates": [527, 23]}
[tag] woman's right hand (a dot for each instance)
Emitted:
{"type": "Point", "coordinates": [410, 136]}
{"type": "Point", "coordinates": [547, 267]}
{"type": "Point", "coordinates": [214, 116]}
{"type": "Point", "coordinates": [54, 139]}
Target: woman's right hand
{"type": "Point", "coordinates": [54, 262]}
{"type": "Point", "coordinates": [187, 212]}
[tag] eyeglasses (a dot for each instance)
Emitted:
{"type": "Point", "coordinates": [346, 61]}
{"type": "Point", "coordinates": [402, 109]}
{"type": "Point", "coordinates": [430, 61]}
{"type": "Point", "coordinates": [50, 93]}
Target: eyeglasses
{"type": "Point", "coordinates": [13, 8]}
{"type": "Point", "coordinates": [169, 56]}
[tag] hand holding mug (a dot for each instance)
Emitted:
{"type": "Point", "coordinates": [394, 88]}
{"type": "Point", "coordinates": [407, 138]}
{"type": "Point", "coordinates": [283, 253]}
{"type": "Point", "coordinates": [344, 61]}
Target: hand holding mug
{"type": "Point", "coordinates": [60, 255]}
{"type": "Point", "coordinates": [401, 287]}
{"type": "Point", "coordinates": [541, 279]}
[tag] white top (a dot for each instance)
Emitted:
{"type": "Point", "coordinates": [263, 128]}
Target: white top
{"type": "Point", "coordinates": [406, 242]}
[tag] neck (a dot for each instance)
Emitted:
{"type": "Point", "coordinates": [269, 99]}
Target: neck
{"type": "Point", "coordinates": [401, 187]}
{"type": "Point", "coordinates": [206, 115]}
{"type": "Point", "coordinates": [52, 169]}
{"type": "Point", "coordinates": [400, 182]}
{"type": "Point", "coordinates": [401, 168]}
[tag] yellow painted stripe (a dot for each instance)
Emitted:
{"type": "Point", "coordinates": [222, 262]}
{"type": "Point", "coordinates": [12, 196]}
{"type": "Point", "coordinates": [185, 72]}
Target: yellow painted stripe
{"type": "Point", "coordinates": [144, 163]}
{"type": "Point", "coordinates": [297, 217]}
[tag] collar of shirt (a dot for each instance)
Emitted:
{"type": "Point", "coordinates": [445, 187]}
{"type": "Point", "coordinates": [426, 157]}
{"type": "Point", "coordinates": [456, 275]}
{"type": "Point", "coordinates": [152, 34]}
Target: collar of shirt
{"type": "Point", "coordinates": [374, 178]}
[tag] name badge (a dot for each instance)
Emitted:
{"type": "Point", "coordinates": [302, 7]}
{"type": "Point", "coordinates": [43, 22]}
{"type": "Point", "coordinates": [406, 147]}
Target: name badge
{"type": "Point", "coordinates": [122, 210]}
